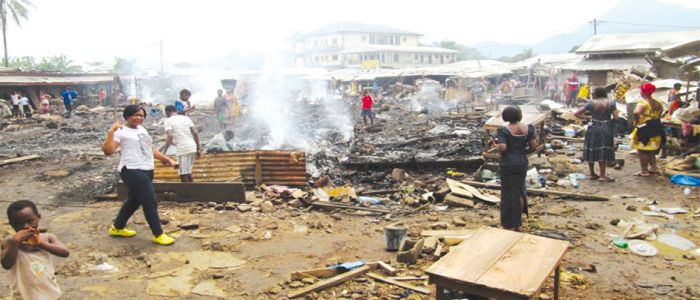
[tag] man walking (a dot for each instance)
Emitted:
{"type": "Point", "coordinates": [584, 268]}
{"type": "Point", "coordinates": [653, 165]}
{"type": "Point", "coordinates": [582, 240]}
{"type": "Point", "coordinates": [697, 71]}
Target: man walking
{"type": "Point", "coordinates": [220, 107]}
{"type": "Point", "coordinates": [367, 108]}
{"type": "Point", "coordinates": [181, 131]}
{"type": "Point", "coordinates": [572, 87]}
{"type": "Point", "coordinates": [69, 96]}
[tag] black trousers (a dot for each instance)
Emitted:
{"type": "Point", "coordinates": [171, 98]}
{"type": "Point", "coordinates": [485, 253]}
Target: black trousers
{"type": "Point", "coordinates": [141, 193]}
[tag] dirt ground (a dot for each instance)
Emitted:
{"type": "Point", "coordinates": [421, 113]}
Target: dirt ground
{"type": "Point", "coordinates": [250, 255]}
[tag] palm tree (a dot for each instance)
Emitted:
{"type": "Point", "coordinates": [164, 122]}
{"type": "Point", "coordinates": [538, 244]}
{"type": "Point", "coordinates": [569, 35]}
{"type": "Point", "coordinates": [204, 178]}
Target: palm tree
{"type": "Point", "coordinates": [18, 9]}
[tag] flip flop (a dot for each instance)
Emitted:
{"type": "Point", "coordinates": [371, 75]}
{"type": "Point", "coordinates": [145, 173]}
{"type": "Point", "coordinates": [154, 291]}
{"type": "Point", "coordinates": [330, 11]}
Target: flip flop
{"type": "Point", "coordinates": [642, 174]}
{"type": "Point", "coordinates": [655, 172]}
{"type": "Point", "coordinates": [606, 179]}
{"type": "Point", "coordinates": [594, 177]}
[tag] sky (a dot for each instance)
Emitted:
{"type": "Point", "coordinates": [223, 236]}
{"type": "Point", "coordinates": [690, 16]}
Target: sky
{"type": "Point", "coordinates": [199, 31]}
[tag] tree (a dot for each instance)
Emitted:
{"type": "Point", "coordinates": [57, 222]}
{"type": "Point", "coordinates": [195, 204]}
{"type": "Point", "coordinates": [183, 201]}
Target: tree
{"type": "Point", "coordinates": [124, 66]}
{"type": "Point", "coordinates": [18, 9]}
{"type": "Point", "coordinates": [523, 55]}
{"type": "Point", "coordinates": [58, 63]}
{"type": "Point", "coordinates": [465, 53]}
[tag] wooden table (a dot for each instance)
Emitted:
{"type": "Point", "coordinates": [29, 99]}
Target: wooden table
{"type": "Point", "coordinates": [499, 264]}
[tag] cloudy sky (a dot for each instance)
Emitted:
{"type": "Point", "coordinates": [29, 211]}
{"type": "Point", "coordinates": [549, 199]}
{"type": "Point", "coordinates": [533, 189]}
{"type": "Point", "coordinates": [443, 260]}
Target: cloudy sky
{"type": "Point", "coordinates": [196, 31]}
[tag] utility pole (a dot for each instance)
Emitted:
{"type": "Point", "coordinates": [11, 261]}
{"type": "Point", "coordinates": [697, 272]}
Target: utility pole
{"type": "Point", "coordinates": [595, 26]}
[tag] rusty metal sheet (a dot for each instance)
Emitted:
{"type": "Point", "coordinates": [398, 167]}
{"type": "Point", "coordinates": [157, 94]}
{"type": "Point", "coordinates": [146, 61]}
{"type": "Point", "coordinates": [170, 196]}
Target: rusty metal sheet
{"type": "Point", "coordinates": [278, 167]}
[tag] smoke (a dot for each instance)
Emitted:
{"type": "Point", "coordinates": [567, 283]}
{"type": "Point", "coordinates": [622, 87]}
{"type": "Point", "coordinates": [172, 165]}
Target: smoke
{"type": "Point", "coordinates": [428, 100]}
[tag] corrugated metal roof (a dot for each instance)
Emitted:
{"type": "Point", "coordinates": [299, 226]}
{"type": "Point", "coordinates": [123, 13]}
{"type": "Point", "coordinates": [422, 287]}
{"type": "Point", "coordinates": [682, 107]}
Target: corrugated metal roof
{"type": "Point", "coordinates": [25, 80]}
{"type": "Point", "coordinates": [278, 167]}
{"type": "Point", "coordinates": [357, 27]}
{"type": "Point", "coordinates": [648, 42]}
{"type": "Point", "coordinates": [607, 64]}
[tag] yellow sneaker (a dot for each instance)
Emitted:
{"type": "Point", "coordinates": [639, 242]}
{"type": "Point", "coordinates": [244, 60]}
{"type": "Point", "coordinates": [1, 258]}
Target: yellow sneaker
{"type": "Point", "coordinates": [163, 239]}
{"type": "Point", "coordinates": [121, 232]}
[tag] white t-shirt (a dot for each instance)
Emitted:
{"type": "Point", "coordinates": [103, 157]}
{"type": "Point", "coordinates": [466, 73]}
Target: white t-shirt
{"type": "Point", "coordinates": [182, 136]}
{"type": "Point", "coordinates": [137, 148]}
{"type": "Point", "coordinates": [23, 101]}
{"type": "Point", "coordinates": [15, 99]}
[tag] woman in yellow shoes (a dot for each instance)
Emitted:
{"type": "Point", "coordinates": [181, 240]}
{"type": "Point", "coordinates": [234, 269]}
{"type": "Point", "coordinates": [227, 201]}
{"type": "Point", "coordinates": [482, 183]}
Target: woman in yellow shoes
{"type": "Point", "coordinates": [648, 136]}
{"type": "Point", "coordinates": [136, 170]}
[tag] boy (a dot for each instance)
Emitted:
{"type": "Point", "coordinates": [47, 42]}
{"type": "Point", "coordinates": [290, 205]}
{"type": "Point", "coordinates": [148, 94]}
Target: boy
{"type": "Point", "coordinates": [182, 104]}
{"type": "Point", "coordinates": [27, 254]}
{"type": "Point", "coordinates": [181, 131]}
{"type": "Point", "coordinates": [367, 108]}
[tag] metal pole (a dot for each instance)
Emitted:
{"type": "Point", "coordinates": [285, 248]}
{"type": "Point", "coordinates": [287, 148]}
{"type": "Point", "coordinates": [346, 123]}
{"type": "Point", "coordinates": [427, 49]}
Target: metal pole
{"type": "Point", "coordinates": [161, 58]}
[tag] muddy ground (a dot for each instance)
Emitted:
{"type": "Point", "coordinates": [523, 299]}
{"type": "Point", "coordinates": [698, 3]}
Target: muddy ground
{"type": "Point", "coordinates": [250, 255]}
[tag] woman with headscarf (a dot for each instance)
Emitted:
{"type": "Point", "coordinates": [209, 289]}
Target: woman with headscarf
{"type": "Point", "coordinates": [598, 145]}
{"type": "Point", "coordinates": [648, 136]}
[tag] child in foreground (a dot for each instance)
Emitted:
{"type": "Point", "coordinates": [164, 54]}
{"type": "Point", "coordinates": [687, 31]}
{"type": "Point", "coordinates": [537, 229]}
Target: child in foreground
{"type": "Point", "coordinates": [27, 254]}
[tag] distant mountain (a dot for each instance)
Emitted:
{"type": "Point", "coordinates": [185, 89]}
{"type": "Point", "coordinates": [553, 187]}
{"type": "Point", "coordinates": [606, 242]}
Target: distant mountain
{"type": "Point", "coordinates": [626, 11]}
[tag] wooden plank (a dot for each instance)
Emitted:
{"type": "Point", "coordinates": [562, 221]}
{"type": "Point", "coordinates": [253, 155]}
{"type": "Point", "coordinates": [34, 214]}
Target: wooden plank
{"type": "Point", "coordinates": [345, 206]}
{"type": "Point", "coordinates": [456, 187]}
{"type": "Point", "coordinates": [378, 192]}
{"type": "Point", "coordinates": [573, 196]}
{"type": "Point", "coordinates": [194, 191]}
{"type": "Point", "coordinates": [315, 273]}
{"type": "Point", "coordinates": [511, 274]}
{"type": "Point", "coordinates": [329, 282]}
{"type": "Point", "coordinates": [473, 257]}
{"type": "Point", "coordinates": [18, 159]}
{"type": "Point", "coordinates": [443, 233]}
{"type": "Point", "coordinates": [458, 201]}
{"type": "Point", "coordinates": [479, 195]}
{"type": "Point", "coordinates": [409, 278]}
{"type": "Point", "coordinates": [399, 283]}
{"type": "Point", "coordinates": [389, 269]}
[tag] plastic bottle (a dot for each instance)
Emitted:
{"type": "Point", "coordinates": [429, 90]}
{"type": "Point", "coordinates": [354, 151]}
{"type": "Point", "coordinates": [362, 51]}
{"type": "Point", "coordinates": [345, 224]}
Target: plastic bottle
{"type": "Point", "coordinates": [620, 243]}
{"type": "Point", "coordinates": [573, 180]}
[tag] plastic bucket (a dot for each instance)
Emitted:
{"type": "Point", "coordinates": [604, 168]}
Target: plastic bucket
{"type": "Point", "coordinates": [394, 235]}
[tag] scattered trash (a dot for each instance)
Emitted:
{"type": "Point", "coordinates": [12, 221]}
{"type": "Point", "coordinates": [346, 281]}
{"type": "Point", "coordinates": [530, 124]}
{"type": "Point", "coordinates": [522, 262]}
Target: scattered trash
{"type": "Point", "coordinates": [638, 229]}
{"type": "Point", "coordinates": [620, 243]}
{"type": "Point", "coordinates": [106, 267]}
{"type": "Point", "coordinates": [369, 200]}
{"type": "Point", "coordinates": [685, 180]}
{"type": "Point", "coordinates": [394, 235]}
{"type": "Point", "coordinates": [574, 180]}
{"type": "Point", "coordinates": [676, 241]}
{"type": "Point", "coordinates": [642, 248]}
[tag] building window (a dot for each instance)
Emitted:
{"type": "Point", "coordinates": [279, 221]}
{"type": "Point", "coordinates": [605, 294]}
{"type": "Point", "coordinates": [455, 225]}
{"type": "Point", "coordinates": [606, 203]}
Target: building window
{"type": "Point", "coordinates": [396, 57]}
{"type": "Point", "coordinates": [415, 57]}
{"type": "Point", "coordinates": [335, 57]}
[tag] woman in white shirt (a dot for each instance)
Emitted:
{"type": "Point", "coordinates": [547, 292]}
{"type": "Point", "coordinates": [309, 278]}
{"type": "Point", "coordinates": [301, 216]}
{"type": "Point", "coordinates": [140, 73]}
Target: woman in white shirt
{"type": "Point", "coordinates": [136, 170]}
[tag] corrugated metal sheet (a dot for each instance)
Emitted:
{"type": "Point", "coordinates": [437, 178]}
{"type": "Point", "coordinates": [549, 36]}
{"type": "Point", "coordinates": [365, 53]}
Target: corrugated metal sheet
{"type": "Point", "coordinates": [277, 167]}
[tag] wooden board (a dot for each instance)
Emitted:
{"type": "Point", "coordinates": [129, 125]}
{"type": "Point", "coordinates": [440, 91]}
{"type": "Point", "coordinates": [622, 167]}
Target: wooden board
{"type": "Point", "coordinates": [444, 233]}
{"type": "Point", "coordinates": [399, 283]}
{"type": "Point", "coordinates": [479, 195]}
{"type": "Point", "coordinates": [314, 273]}
{"type": "Point", "coordinates": [345, 206]}
{"type": "Point", "coordinates": [329, 282]}
{"type": "Point", "coordinates": [18, 159]}
{"type": "Point", "coordinates": [457, 187]}
{"type": "Point", "coordinates": [573, 196]}
{"type": "Point", "coordinates": [511, 274]}
{"type": "Point", "coordinates": [530, 117]}
{"type": "Point", "coordinates": [194, 191]}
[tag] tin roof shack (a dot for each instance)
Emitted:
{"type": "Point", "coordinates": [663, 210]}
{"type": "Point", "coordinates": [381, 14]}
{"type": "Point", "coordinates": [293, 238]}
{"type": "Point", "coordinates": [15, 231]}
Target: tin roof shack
{"type": "Point", "coordinates": [34, 83]}
{"type": "Point", "coordinates": [603, 54]}
{"type": "Point", "coordinates": [534, 72]}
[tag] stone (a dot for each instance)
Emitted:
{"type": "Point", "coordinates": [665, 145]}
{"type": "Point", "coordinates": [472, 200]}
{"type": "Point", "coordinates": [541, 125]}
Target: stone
{"type": "Point", "coordinates": [433, 218]}
{"type": "Point", "coordinates": [267, 207]}
{"type": "Point", "coordinates": [296, 284]}
{"type": "Point", "coordinates": [459, 221]}
{"type": "Point", "coordinates": [398, 174]}
{"type": "Point", "coordinates": [272, 226]}
{"type": "Point", "coordinates": [244, 207]}
{"type": "Point", "coordinates": [308, 281]}
{"type": "Point", "coordinates": [189, 225]}
{"type": "Point", "coordinates": [439, 225]}
{"type": "Point", "coordinates": [430, 244]}
{"type": "Point", "coordinates": [337, 216]}
{"type": "Point", "coordinates": [631, 208]}
{"type": "Point", "coordinates": [219, 206]}
{"type": "Point", "coordinates": [211, 204]}
{"type": "Point", "coordinates": [295, 203]}
{"type": "Point", "coordinates": [247, 236]}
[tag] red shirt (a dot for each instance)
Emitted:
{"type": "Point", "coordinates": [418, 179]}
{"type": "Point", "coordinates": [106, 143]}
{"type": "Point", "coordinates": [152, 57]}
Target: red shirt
{"type": "Point", "coordinates": [573, 84]}
{"type": "Point", "coordinates": [367, 102]}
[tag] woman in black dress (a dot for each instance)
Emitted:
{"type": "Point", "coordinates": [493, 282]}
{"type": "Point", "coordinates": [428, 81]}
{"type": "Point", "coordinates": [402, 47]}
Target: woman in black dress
{"type": "Point", "coordinates": [514, 141]}
{"type": "Point", "coordinates": [598, 145]}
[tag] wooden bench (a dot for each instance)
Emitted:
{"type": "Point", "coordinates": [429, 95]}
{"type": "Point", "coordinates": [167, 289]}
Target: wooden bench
{"type": "Point", "coordinates": [500, 264]}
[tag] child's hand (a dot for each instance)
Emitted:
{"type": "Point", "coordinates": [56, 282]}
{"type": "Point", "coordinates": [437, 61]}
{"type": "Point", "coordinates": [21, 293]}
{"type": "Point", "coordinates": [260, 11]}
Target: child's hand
{"type": "Point", "coordinates": [24, 235]}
